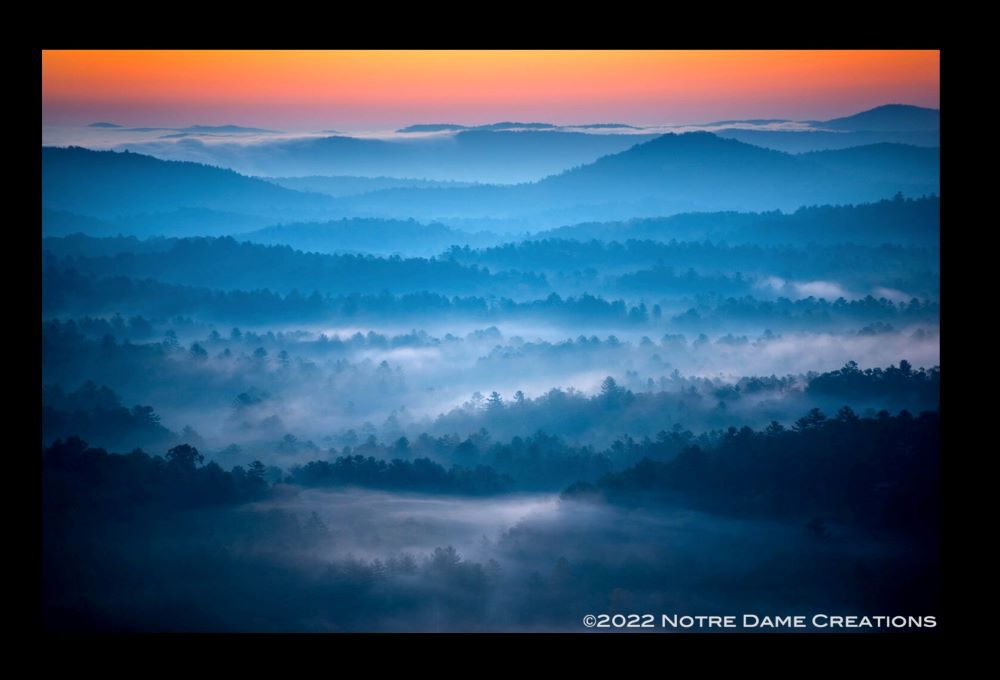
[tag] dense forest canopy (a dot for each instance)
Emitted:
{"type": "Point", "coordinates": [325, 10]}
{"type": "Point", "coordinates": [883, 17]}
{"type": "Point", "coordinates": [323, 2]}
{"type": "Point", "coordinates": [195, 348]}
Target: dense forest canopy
{"type": "Point", "coordinates": [490, 377]}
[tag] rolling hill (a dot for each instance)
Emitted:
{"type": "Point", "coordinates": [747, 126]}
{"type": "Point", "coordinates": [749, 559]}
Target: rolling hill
{"type": "Point", "coordinates": [890, 117]}
{"type": "Point", "coordinates": [671, 174]}
{"type": "Point", "coordinates": [113, 186]}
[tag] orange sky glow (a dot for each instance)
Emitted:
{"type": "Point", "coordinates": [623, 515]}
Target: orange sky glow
{"type": "Point", "coordinates": [298, 90]}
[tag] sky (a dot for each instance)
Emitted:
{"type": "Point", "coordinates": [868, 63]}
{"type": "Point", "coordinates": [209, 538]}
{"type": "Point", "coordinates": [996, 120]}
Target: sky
{"type": "Point", "coordinates": [374, 90]}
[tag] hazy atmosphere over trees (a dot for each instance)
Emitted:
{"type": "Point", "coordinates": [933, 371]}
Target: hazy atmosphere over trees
{"type": "Point", "coordinates": [489, 377]}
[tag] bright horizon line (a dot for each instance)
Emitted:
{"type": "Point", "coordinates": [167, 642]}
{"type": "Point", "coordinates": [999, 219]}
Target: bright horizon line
{"type": "Point", "coordinates": [345, 128]}
{"type": "Point", "coordinates": [383, 89]}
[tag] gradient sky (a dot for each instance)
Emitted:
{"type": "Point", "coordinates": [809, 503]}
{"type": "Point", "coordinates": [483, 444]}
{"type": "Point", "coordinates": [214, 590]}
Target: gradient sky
{"type": "Point", "coordinates": [372, 90]}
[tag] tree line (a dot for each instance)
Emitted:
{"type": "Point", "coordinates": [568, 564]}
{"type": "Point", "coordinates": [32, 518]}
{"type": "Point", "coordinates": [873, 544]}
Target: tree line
{"type": "Point", "coordinates": [879, 473]}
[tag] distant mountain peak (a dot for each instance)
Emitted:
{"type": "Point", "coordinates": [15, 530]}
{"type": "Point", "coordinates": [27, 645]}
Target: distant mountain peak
{"type": "Point", "coordinates": [512, 125]}
{"type": "Point", "coordinates": [432, 127]}
{"type": "Point", "coordinates": [696, 140]}
{"type": "Point", "coordinates": [601, 126]}
{"type": "Point", "coordinates": [223, 129]}
{"type": "Point", "coordinates": [896, 108]}
{"type": "Point", "coordinates": [503, 125]}
{"type": "Point", "coordinates": [888, 117]}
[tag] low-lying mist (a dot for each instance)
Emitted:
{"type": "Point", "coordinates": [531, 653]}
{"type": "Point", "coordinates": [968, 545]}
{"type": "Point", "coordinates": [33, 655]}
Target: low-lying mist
{"type": "Point", "coordinates": [254, 388]}
{"type": "Point", "coordinates": [489, 378]}
{"type": "Point", "coordinates": [367, 561]}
